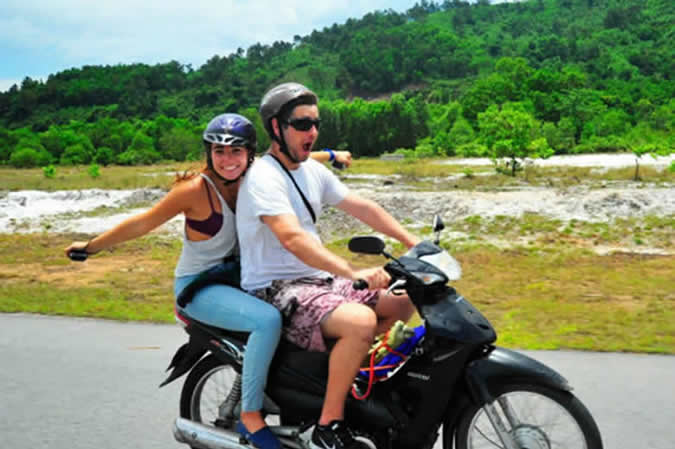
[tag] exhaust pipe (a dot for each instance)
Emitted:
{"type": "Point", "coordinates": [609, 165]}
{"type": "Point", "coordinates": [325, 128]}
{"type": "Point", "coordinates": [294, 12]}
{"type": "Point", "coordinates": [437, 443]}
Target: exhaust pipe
{"type": "Point", "coordinates": [205, 437]}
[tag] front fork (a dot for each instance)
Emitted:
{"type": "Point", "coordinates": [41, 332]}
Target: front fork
{"type": "Point", "coordinates": [498, 364]}
{"type": "Point", "coordinates": [497, 422]}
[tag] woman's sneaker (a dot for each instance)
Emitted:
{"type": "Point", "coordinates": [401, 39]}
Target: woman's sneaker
{"type": "Point", "coordinates": [335, 435]}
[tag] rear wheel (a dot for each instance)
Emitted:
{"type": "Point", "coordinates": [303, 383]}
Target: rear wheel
{"type": "Point", "coordinates": [535, 416]}
{"type": "Point", "coordinates": [211, 394]}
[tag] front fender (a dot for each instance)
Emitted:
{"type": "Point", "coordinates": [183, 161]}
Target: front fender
{"type": "Point", "coordinates": [503, 365]}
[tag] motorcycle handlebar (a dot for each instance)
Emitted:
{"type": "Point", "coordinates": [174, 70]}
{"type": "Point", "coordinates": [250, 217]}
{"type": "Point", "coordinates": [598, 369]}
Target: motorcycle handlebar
{"type": "Point", "coordinates": [78, 255]}
{"type": "Point", "coordinates": [360, 284]}
{"type": "Point", "coordinates": [338, 165]}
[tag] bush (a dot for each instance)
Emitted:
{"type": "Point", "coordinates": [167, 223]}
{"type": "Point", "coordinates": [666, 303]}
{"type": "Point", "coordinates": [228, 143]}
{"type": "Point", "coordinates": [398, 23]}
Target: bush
{"type": "Point", "coordinates": [595, 144]}
{"type": "Point", "coordinates": [473, 149]}
{"type": "Point", "coordinates": [141, 152]}
{"type": "Point", "coordinates": [29, 157]}
{"type": "Point", "coordinates": [408, 155]}
{"type": "Point", "coordinates": [94, 171]}
{"type": "Point", "coordinates": [138, 157]}
{"type": "Point", "coordinates": [612, 123]}
{"type": "Point", "coordinates": [178, 144]}
{"type": "Point", "coordinates": [424, 149]}
{"type": "Point", "coordinates": [540, 148]}
{"type": "Point", "coordinates": [461, 133]}
{"type": "Point", "coordinates": [104, 156]}
{"type": "Point", "coordinates": [49, 171]}
{"type": "Point", "coordinates": [75, 155]}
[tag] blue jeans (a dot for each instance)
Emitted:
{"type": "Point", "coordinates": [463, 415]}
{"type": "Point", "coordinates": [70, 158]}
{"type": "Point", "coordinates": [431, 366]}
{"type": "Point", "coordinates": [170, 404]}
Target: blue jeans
{"type": "Point", "coordinates": [230, 308]}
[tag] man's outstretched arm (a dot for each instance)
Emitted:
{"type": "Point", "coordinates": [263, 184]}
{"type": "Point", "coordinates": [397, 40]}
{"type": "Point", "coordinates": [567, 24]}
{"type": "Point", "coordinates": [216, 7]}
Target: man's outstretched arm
{"type": "Point", "coordinates": [376, 217]}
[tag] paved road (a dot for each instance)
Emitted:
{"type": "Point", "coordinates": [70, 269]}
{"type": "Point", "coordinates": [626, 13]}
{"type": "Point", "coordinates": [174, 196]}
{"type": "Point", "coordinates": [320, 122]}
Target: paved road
{"type": "Point", "coordinates": [80, 384]}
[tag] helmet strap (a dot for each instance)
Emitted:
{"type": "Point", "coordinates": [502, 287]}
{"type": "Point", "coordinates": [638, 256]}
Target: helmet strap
{"type": "Point", "coordinates": [283, 147]}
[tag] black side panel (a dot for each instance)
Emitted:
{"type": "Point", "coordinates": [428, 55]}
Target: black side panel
{"type": "Point", "coordinates": [456, 318]}
{"type": "Point", "coordinates": [299, 370]}
{"type": "Point", "coordinates": [506, 365]}
{"type": "Point", "coordinates": [297, 383]}
{"type": "Point", "coordinates": [425, 387]}
{"type": "Point", "coordinates": [299, 405]}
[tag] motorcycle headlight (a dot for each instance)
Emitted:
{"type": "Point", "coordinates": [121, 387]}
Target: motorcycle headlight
{"type": "Point", "coordinates": [429, 278]}
{"type": "Point", "coordinates": [446, 263]}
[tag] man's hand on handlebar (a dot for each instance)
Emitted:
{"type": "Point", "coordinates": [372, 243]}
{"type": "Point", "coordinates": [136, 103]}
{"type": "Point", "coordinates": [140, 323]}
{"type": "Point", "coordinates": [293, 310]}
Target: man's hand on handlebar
{"type": "Point", "coordinates": [375, 278]}
{"type": "Point", "coordinates": [343, 159]}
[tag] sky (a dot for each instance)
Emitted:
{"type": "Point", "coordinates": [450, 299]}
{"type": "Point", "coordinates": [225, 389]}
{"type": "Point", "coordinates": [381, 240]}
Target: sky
{"type": "Point", "coordinates": [43, 37]}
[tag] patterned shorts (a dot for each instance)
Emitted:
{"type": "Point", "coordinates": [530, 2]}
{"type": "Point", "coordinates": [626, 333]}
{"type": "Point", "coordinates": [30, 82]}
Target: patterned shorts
{"type": "Point", "coordinates": [305, 302]}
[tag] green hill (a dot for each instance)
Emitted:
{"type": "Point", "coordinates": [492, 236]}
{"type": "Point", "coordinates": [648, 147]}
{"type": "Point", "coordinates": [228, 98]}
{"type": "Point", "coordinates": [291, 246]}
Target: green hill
{"type": "Point", "coordinates": [593, 75]}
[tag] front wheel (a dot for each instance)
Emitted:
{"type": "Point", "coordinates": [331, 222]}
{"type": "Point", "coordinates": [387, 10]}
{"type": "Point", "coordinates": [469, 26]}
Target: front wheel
{"type": "Point", "coordinates": [536, 417]}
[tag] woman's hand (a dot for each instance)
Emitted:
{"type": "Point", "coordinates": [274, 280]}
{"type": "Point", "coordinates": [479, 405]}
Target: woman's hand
{"type": "Point", "coordinates": [78, 246]}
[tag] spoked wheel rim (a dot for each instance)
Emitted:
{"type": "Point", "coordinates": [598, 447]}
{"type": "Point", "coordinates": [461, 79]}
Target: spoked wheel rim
{"type": "Point", "coordinates": [210, 393]}
{"type": "Point", "coordinates": [540, 423]}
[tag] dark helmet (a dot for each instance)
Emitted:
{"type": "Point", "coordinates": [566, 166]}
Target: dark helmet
{"type": "Point", "coordinates": [231, 130]}
{"type": "Point", "coordinates": [280, 99]}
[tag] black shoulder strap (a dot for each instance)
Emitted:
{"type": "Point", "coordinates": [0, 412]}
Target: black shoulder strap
{"type": "Point", "coordinates": [304, 198]}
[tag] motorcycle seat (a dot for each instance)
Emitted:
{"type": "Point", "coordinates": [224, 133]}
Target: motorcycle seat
{"type": "Point", "coordinates": [239, 337]}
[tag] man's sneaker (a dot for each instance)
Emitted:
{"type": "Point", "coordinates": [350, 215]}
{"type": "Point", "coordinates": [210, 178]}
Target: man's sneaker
{"type": "Point", "coordinates": [335, 435]}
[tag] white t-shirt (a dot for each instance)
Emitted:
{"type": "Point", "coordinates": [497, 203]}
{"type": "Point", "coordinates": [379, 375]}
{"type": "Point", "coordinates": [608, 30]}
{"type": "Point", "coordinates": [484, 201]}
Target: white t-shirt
{"type": "Point", "coordinates": [267, 190]}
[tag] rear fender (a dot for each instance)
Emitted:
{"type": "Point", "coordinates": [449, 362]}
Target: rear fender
{"type": "Point", "coordinates": [183, 360]}
{"type": "Point", "coordinates": [500, 366]}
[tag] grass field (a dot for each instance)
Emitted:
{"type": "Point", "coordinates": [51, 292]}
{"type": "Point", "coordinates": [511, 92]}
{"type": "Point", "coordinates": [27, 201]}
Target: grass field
{"type": "Point", "coordinates": [417, 172]}
{"type": "Point", "coordinates": [537, 298]}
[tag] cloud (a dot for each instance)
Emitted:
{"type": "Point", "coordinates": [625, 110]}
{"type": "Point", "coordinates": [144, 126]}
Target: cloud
{"type": "Point", "coordinates": [43, 36]}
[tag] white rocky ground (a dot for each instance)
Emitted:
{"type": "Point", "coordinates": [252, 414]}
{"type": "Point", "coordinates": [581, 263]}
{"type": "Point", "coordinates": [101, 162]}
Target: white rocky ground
{"type": "Point", "coordinates": [603, 161]}
{"type": "Point", "coordinates": [71, 211]}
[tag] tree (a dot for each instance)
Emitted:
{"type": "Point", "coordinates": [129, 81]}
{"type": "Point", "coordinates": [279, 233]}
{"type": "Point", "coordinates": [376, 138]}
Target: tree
{"type": "Point", "coordinates": [178, 143]}
{"type": "Point", "coordinates": [510, 133]}
{"type": "Point", "coordinates": [612, 122]}
{"type": "Point", "coordinates": [75, 155]}
{"type": "Point", "coordinates": [141, 151]}
{"type": "Point", "coordinates": [494, 89]}
{"type": "Point", "coordinates": [461, 133]}
{"type": "Point", "coordinates": [29, 157]}
{"type": "Point", "coordinates": [6, 145]}
{"type": "Point", "coordinates": [582, 106]}
{"type": "Point", "coordinates": [104, 156]}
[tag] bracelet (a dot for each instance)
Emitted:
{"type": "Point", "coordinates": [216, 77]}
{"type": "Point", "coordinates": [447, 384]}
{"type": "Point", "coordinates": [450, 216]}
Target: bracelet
{"type": "Point", "coordinates": [331, 154]}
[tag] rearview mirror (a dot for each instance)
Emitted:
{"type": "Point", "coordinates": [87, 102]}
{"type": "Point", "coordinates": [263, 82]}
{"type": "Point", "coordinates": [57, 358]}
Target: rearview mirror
{"type": "Point", "coordinates": [437, 224]}
{"type": "Point", "coordinates": [437, 227]}
{"type": "Point", "coordinates": [366, 245]}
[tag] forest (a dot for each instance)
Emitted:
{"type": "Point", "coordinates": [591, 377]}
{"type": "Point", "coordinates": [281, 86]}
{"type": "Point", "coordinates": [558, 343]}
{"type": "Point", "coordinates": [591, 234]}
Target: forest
{"type": "Point", "coordinates": [530, 78]}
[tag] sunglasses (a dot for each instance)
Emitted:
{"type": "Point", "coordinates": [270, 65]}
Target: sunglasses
{"type": "Point", "coordinates": [304, 124]}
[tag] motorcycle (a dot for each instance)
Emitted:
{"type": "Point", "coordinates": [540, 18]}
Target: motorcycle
{"type": "Point", "coordinates": [455, 380]}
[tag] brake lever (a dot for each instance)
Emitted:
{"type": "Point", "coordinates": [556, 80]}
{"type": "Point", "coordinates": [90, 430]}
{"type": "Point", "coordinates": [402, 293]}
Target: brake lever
{"type": "Point", "coordinates": [397, 284]}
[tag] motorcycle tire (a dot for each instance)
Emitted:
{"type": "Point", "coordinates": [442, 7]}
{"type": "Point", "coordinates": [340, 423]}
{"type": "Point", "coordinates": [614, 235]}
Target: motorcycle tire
{"type": "Point", "coordinates": [544, 416]}
{"type": "Point", "coordinates": [206, 387]}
